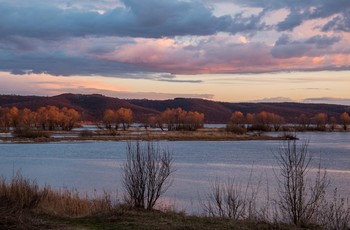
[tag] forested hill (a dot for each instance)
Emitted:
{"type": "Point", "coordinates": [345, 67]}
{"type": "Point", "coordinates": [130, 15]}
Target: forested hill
{"type": "Point", "coordinates": [92, 106]}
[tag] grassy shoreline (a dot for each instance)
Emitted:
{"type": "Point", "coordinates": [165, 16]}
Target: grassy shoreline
{"type": "Point", "coordinates": [25, 205]}
{"type": "Point", "coordinates": [149, 135]}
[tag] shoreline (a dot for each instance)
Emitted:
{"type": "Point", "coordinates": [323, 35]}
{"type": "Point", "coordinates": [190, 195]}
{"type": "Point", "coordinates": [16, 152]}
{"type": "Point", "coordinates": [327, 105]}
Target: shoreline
{"type": "Point", "coordinates": [132, 135]}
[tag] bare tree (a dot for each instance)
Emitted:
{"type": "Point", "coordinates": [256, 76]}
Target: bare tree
{"type": "Point", "coordinates": [146, 174]}
{"type": "Point", "coordinates": [299, 199]}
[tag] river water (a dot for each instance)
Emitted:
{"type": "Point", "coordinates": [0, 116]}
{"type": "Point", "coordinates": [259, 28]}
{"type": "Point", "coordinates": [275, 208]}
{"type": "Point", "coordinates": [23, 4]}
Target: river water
{"type": "Point", "coordinates": [93, 166]}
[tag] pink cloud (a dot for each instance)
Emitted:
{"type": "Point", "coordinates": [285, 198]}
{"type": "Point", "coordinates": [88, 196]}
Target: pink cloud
{"type": "Point", "coordinates": [222, 54]}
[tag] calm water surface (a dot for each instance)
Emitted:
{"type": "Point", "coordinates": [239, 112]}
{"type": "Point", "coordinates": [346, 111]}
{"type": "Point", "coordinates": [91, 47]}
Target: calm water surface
{"type": "Point", "coordinates": [96, 166]}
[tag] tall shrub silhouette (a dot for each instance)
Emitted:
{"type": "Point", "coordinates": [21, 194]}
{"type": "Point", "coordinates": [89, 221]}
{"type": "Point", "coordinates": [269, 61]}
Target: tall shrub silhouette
{"type": "Point", "coordinates": [146, 174]}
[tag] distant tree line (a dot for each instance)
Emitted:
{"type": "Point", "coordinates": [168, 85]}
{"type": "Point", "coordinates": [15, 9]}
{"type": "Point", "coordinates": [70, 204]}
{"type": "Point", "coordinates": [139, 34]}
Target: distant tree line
{"type": "Point", "coordinates": [170, 119]}
{"type": "Point", "coordinates": [113, 118]}
{"type": "Point", "coordinates": [45, 118]}
{"type": "Point", "coordinates": [177, 119]}
{"type": "Point", "coordinates": [266, 121]}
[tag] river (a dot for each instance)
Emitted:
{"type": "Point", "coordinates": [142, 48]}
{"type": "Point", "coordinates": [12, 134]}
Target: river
{"type": "Point", "coordinates": [93, 166]}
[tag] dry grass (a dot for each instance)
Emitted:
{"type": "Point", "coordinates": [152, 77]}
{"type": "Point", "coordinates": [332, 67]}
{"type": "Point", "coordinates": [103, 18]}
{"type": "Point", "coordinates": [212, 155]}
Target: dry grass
{"type": "Point", "coordinates": [21, 194]}
{"type": "Point", "coordinates": [24, 205]}
{"type": "Point", "coordinates": [204, 134]}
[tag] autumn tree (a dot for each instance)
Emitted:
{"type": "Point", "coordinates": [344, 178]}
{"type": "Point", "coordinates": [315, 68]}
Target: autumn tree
{"type": "Point", "coordinates": [250, 118]}
{"type": "Point", "coordinates": [69, 118]}
{"type": "Point", "coordinates": [193, 121]}
{"type": "Point", "coordinates": [276, 120]}
{"type": "Point", "coordinates": [262, 120]}
{"type": "Point", "coordinates": [124, 117]}
{"type": "Point", "coordinates": [304, 121]}
{"type": "Point", "coordinates": [115, 117]}
{"type": "Point", "coordinates": [108, 118]}
{"type": "Point", "coordinates": [5, 118]}
{"type": "Point", "coordinates": [45, 118]}
{"type": "Point", "coordinates": [333, 122]}
{"type": "Point", "coordinates": [237, 118]}
{"type": "Point", "coordinates": [14, 116]}
{"type": "Point", "coordinates": [236, 123]}
{"type": "Point", "coordinates": [345, 119]}
{"type": "Point", "coordinates": [155, 122]}
{"type": "Point", "coordinates": [321, 121]}
{"type": "Point", "coordinates": [179, 119]}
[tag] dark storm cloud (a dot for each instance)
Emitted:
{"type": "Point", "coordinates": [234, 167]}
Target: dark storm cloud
{"type": "Point", "coordinates": [151, 18]}
{"type": "Point", "coordinates": [314, 46]}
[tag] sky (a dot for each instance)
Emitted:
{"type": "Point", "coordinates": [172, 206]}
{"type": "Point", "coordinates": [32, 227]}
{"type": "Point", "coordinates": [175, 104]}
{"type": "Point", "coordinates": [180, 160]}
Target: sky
{"type": "Point", "coordinates": [222, 50]}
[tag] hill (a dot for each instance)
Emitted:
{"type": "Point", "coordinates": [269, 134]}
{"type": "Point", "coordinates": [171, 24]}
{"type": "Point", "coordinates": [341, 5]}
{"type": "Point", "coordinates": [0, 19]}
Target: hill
{"type": "Point", "coordinates": [92, 106]}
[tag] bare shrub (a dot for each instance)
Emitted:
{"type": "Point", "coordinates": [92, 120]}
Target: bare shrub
{"type": "Point", "coordinates": [231, 200]}
{"type": "Point", "coordinates": [335, 215]}
{"type": "Point", "coordinates": [299, 198]}
{"type": "Point", "coordinates": [146, 174]}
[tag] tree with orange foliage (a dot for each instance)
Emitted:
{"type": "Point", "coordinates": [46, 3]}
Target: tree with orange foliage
{"type": "Point", "coordinates": [26, 118]}
{"type": "Point", "coordinates": [179, 119]}
{"type": "Point", "coordinates": [193, 121]}
{"type": "Point", "coordinates": [276, 120]}
{"type": "Point", "coordinates": [321, 121]}
{"type": "Point", "coordinates": [14, 116]}
{"type": "Point", "coordinates": [250, 119]}
{"type": "Point", "coordinates": [304, 121]}
{"type": "Point", "coordinates": [237, 118]}
{"type": "Point", "coordinates": [236, 123]}
{"type": "Point", "coordinates": [121, 116]}
{"type": "Point", "coordinates": [125, 117]}
{"type": "Point", "coordinates": [345, 119]}
{"type": "Point", "coordinates": [5, 119]}
{"type": "Point", "coordinates": [155, 122]}
{"type": "Point", "coordinates": [108, 118]}
{"type": "Point", "coordinates": [70, 116]}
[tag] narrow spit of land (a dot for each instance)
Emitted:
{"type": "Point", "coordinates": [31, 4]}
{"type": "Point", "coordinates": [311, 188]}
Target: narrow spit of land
{"type": "Point", "coordinates": [205, 134]}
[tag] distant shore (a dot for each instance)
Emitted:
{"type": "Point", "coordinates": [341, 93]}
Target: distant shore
{"type": "Point", "coordinates": [206, 134]}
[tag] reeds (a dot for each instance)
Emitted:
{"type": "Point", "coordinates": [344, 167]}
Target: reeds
{"type": "Point", "coordinates": [21, 194]}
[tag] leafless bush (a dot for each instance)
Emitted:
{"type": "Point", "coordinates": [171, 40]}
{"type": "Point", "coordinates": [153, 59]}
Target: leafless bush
{"type": "Point", "coordinates": [146, 174]}
{"type": "Point", "coordinates": [231, 200]}
{"type": "Point", "coordinates": [299, 198]}
{"type": "Point", "coordinates": [335, 215]}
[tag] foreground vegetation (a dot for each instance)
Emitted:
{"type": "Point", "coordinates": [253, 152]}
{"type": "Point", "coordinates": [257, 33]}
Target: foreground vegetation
{"type": "Point", "coordinates": [23, 205]}
{"type": "Point", "coordinates": [301, 202]}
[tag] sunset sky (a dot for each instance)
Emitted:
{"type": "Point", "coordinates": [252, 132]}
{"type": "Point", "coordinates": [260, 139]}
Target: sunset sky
{"type": "Point", "coordinates": [223, 50]}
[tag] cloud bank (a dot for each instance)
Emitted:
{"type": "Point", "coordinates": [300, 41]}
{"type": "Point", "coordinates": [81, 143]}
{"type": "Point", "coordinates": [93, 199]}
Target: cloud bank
{"type": "Point", "coordinates": [157, 39]}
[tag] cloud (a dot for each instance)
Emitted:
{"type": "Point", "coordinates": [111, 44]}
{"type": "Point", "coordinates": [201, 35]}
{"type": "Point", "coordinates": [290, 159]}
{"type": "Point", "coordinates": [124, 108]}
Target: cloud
{"type": "Point", "coordinates": [328, 100]}
{"type": "Point", "coordinates": [148, 18]}
{"type": "Point", "coordinates": [338, 23]}
{"type": "Point", "coordinates": [301, 11]}
{"type": "Point", "coordinates": [150, 38]}
{"type": "Point", "coordinates": [317, 45]}
{"type": "Point", "coordinates": [274, 99]}
{"type": "Point", "coordinates": [130, 95]}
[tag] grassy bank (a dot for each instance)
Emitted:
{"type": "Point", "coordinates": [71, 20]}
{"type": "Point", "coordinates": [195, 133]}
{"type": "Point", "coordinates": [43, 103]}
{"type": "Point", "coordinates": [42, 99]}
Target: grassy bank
{"type": "Point", "coordinates": [24, 205]}
{"type": "Point", "coordinates": [213, 134]}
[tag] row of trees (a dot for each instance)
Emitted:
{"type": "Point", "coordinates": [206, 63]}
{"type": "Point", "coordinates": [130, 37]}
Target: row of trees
{"type": "Point", "coordinates": [113, 118]}
{"type": "Point", "coordinates": [45, 118]}
{"type": "Point", "coordinates": [266, 121]}
{"type": "Point", "coordinates": [177, 119]}
{"type": "Point", "coordinates": [172, 119]}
